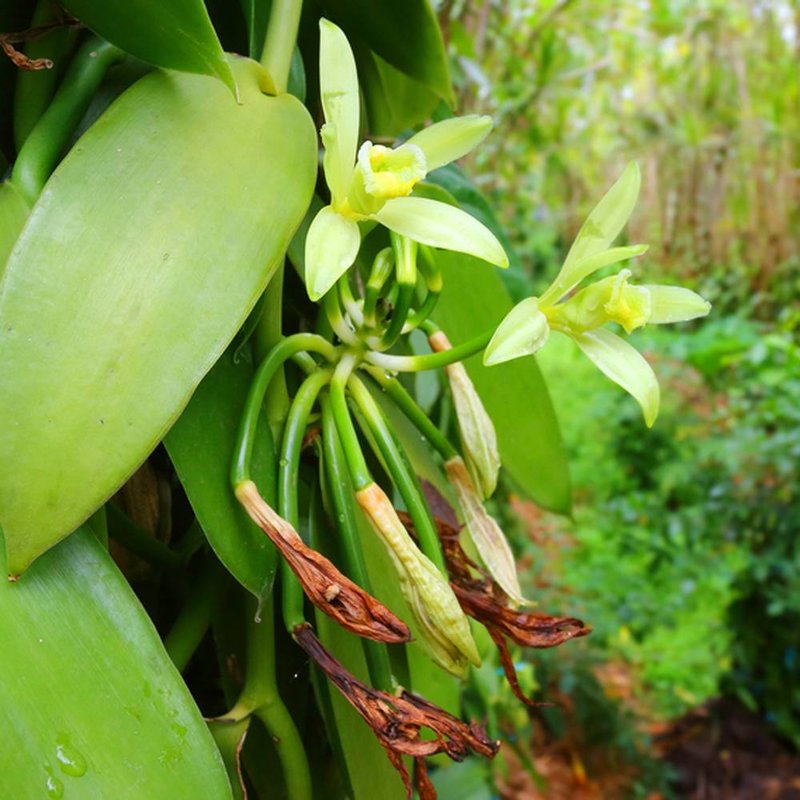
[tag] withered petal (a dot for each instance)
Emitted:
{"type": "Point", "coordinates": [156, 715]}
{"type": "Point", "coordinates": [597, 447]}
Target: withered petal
{"type": "Point", "coordinates": [327, 588]}
{"type": "Point", "coordinates": [398, 721]}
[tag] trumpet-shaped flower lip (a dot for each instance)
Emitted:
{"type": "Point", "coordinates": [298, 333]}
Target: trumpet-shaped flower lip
{"type": "Point", "coordinates": [624, 365]}
{"type": "Point", "coordinates": [390, 172]}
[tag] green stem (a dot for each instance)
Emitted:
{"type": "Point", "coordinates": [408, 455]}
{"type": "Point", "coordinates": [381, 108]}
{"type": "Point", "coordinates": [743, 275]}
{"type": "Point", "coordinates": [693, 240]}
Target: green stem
{"type": "Point", "coordinates": [46, 141]}
{"type": "Point", "coordinates": [289, 465]}
{"type": "Point", "coordinates": [245, 438]}
{"type": "Point", "coordinates": [405, 260]}
{"type": "Point", "coordinates": [333, 311]}
{"type": "Point", "coordinates": [260, 697]}
{"type": "Point", "coordinates": [194, 619]}
{"type": "Point", "coordinates": [34, 90]}
{"type": "Point", "coordinates": [138, 541]}
{"type": "Point", "coordinates": [421, 421]}
{"type": "Point", "coordinates": [356, 464]}
{"type": "Point", "coordinates": [276, 58]}
{"type": "Point", "coordinates": [403, 477]}
{"type": "Point", "coordinates": [382, 268]}
{"type": "Point", "coordinates": [430, 360]}
{"type": "Point", "coordinates": [341, 493]}
{"type": "Point", "coordinates": [268, 334]}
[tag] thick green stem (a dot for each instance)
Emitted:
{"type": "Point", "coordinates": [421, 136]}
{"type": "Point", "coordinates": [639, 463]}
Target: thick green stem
{"type": "Point", "coordinates": [267, 334]}
{"type": "Point", "coordinates": [405, 259]}
{"type": "Point", "coordinates": [276, 58]}
{"type": "Point", "coordinates": [403, 477]}
{"type": "Point", "coordinates": [406, 403]}
{"type": "Point", "coordinates": [431, 360]}
{"type": "Point", "coordinates": [289, 464]}
{"type": "Point", "coordinates": [34, 89]}
{"type": "Point", "coordinates": [356, 464]}
{"type": "Point", "coordinates": [195, 617]}
{"type": "Point", "coordinates": [245, 438]}
{"type": "Point", "coordinates": [341, 493]}
{"type": "Point", "coordinates": [260, 697]}
{"type": "Point", "coordinates": [46, 141]}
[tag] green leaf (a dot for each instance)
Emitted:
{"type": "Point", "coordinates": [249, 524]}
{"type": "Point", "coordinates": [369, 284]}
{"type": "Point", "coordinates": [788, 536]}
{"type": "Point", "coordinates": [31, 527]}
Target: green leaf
{"type": "Point", "coordinates": [514, 394]}
{"type": "Point", "coordinates": [393, 101]}
{"type": "Point", "coordinates": [92, 706]}
{"type": "Point", "coordinates": [469, 198]}
{"type": "Point", "coordinates": [200, 445]}
{"type": "Point", "coordinates": [141, 259]}
{"type": "Point", "coordinates": [13, 213]}
{"type": "Point", "coordinates": [405, 34]}
{"type": "Point", "coordinates": [173, 35]}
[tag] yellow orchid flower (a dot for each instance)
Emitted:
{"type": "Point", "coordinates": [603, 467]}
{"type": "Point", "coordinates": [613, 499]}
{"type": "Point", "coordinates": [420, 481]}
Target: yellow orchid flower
{"type": "Point", "coordinates": [374, 182]}
{"type": "Point", "coordinates": [581, 317]}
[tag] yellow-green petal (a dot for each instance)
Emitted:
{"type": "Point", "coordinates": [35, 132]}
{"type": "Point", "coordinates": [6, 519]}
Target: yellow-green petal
{"type": "Point", "coordinates": [569, 278]}
{"type": "Point", "coordinates": [675, 304]}
{"type": "Point", "coordinates": [523, 331]}
{"type": "Point", "coordinates": [441, 225]}
{"type": "Point", "coordinates": [338, 80]}
{"type": "Point", "coordinates": [332, 244]}
{"type": "Point", "coordinates": [602, 226]}
{"type": "Point", "coordinates": [624, 365]}
{"type": "Point", "coordinates": [451, 139]}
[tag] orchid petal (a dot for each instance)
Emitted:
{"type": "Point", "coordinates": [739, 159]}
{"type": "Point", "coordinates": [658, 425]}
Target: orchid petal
{"type": "Point", "coordinates": [624, 365]}
{"type": "Point", "coordinates": [675, 304]}
{"type": "Point", "coordinates": [604, 223]}
{"type": "Point", "coordinates": [332, 244]}
{"type": "Point", "coordinates": [339, 93]}
{"type": "Point", "coordinates": [568, 279]}
{"type": "Point", "coordinates": [450, 139]}
{"type": "Point", "coordinates": [523, 331]}
{"type": "Point", "coordinates": [440, 225]}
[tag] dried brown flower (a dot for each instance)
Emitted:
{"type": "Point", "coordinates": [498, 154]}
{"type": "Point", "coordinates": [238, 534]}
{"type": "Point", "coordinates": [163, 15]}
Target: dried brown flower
{"type": "Point", "coordinates": [326, 587]}
{"type": "Point", "coordinates": [483, 600]}
{"type": "Point", "coordinates": [398, 720]}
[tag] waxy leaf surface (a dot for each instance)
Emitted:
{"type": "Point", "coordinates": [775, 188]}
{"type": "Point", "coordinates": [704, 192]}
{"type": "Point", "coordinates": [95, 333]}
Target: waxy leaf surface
{"type": "Point", "coordinates": [145, 252]}
{"type": "Point", "coordinates": [92, 707]}
{"type": "Point", "coordinates": [174, 35]}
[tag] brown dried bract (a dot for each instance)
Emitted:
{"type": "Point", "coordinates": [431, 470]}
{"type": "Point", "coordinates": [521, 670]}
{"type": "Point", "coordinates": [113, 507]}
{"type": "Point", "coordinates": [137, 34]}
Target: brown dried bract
{"type": "Point", "coordinates": [398, 720]}
{"type": "Point", "coordinates": [326, 587]}
{"type": "Point", "coordinates": [20, 60]}
{"type": "Point", "coordinates": [484, 601]}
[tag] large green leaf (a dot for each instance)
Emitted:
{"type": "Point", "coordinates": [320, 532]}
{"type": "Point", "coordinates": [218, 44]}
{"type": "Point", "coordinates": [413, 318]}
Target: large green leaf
{"type": "Point", "coordinates": [200, 445]}
{"type": "Point", "coordinates": [177, 34]}
{"type": "Point", "coordinates": [514, 394]}
{"type": "Point", "coordinates": [141, 259]}
{"type": "Point", "coordinates": [92, 707]}
{"type": "Point", "coordinates": [405, 34]}
{"type": "Point", "coordinates": [13, 213]}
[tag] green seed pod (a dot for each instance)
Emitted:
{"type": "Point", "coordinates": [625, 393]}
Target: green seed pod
{"type": "Point", "coordinates": [144, 254]}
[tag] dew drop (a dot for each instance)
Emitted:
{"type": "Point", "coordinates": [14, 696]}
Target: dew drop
{"type": "Point", "coordinates": [53, 786]}
{"type": "Point", "coordinates": [70, 760]}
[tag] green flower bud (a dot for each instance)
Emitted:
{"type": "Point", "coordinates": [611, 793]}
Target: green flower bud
{"type": "Point", "coordinates": [441, 623]}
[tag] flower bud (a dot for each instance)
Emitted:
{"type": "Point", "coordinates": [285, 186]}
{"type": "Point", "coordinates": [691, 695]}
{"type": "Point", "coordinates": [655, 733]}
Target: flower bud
{"type": "Point", "coordinates": [489, 539]}
{"type": "Point", "coordinates": [478, 438]}
{"type": "Point", "coordinates": [441, 623]}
